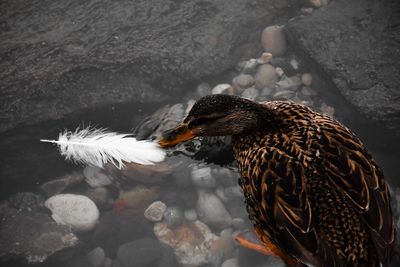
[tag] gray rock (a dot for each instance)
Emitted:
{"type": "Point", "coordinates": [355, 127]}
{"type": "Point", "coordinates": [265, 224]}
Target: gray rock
{"type": "Point", "coordinates": [239, 223]}
{"type": "Point", "coordinates": [368, 78]}
{"type": "Point", "coordinates": [307, 91]}
{"type": "Point", "coordinates": [250, 93]}
{"type": "Point", "coordinates": [96, 176]}
{"type": "Point", "coordinates": [173, 216]}
{"type": "Point", "coordinates": [139, 253]}
{"type": "Point", "coordinates": [284, 94]}
{"type": "Point", "coordinates": [223, 88]}
{"type": "Point", "coordinates": [101, 196]}
{"type": "Point", "coordinates": [230, 263]}
{"type": "Point", "coordinates": [243, 81]}
{"type": "Point", "coordinates": [108, 53]}
{"type": "Point", "coordinates": [155, 211]}
{"type": "Point", "coordinates": [306, 79]}
{"type": "Point", "coordinates": [60, 184]}
{"type": "Point", "coordinates": [96, 257]}
{"type": "Point", "coordinates": [190, 215]}
{"type": "Point", "coordinates": [202, 177]}
{"type": "Point", "coordinates": [203, 89]}
{"type": "Point", "coordinates": [28, 233]}
{"type": "Point", "coordinates": [273, 40]}
{"type": "Point", "coordinates": [266, 76]}
{"type": "Point", "coordinates": [212, 211]}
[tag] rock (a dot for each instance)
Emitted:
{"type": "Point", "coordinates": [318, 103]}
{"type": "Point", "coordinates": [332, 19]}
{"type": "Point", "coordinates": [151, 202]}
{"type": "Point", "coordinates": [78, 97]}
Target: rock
{"type": "Point", "coordinates": [146, 174]}
{"type": "Point", "coordinates": [306, 79]}
{"type": "Point", "coordinates": [137, 198]}
{"type": "Point", "coordinates": [190, 215]}
{"type": "Point", "coordinates": [231, 263]}
{"type": "Point", "coordinates": [96, 257]}
{"type": "Point", "coordinates": [167, 258]}
{"type": "Point", "coordinates": [250, 93]}
{"type": "Point", "coordinates": [306, 11]}
{"type": "Point", "coordinates": [173, 216]}
{"type": "Point", "coordinates": [265, 58]}
{"type": "Point", "coordinates": [108, 54]}
{"type": "Point", "coordinates": [191, 241]}
{"type": "Point", "coordinates": [267, 91]}
{"type": "Point", "coordinates": [96, 176]}
{"type": "Point", "coordinates": [239, 223]}
{"type": "Point", "coordinates": [222, 248]}
{"type": "Point", "coordinates": [201, 177]}
{"type": "Point", "coordinates": [307, 91]}
{"type": "Point", "coordinates": [265, 76]}
{"type": "Point", "coordinates": [203, 89]}
{"type": "Point", "coordinates": [139, 252]}
{"type": "Point", "coordinates": [367, 78]}
{"type": "Point", "coordinates": [243, 81]}
{"type": "Point", "coordinates": [249, 67]}
{"type": "Point", "coordinates": [107, 262]}
{"type": "Point", "coordinates": [289, 83]}
{"type": "Point", "coordinates": [101, 196]}
{"type": "Point", "coordinates": [314, 3]}
{"type": "Point", "coordinates": [212, 211]}
{"type": "Point", "coordinates": [28, 233]}
{"type": "Point", "coordinates": [61, 184]}
{"type": "Point", "coordinates": [284, 94]}
{"type": "Point", "coordinates": [155, 211]}
{"type": "Point", "coordinates": [273, 40]}
{"type": "Point", "coordinates": [76, 211]}
{"type": "Point", "coordinates": [224, 88]}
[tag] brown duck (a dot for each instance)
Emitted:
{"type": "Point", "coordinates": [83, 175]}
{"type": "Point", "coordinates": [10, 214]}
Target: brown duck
{"type": "Point", "coordinates": [314, 193]}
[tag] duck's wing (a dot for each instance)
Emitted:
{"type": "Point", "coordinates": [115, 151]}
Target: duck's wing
{"type": "Point", "coordinates": [353, 171]}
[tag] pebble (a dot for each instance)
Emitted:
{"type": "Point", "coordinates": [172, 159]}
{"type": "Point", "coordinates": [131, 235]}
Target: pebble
{"type": "Point", "coordinates": [294, 63]}
{"type": "Point", "coordinates": [250, 66]}
{"type": "Point", "coordinates": [191, 241]}
{"type": "Point", "coordinates": [155, 211]}
{"type": "Point", "coordinates": [284, 94]}
{"type": "Point", "coordinates": [136, 198]}
{"type": "Point", "coordinates": [96, 177]}
{"type": "Point", "coordinates": [314, 3]}
{"type": "Point", "coordinates": [273, 40]}
{"type": "Point", "coordinates": [212, 211]}
{"type": "Point", "coordinates": [306, 11]}
{"type": "Point", "coordinates": [203, 89]}
{"type": "Point", "coordinates": [173, 216]}
{"type": "Point", "coordinates": [279, 71]}
{"type": "Point", "coordinates": [76, 211]}
{"type": "Point", "coordinates": [222, 248]}
{"type": "Point", "coordinates": [96, 257]}
{"type": "Point", "coordinates": [289, 83]}
{"type": "Point", "coordinates": [306, 79]}
{"type": "Point", "coordinates": [307, 91]}
{"type": "Point", "coordinates": [190, 215]}
{"type": "Point", "coordinates": [265, 58]}
{"type": "Point", "coordinates": [267, 91]}
{"type": "Point", "coordinates": [243, 81]}
{"type": "Point", "coordinates": [233, 262]}
{"type": "Point", "coordinates": [101, 197]}
{"type": "Point", "coordinates": [233, 192]}
{"type": "Point", "coordinates": [265, 76]}
{"type": "Point", "coordinates": [59, 185]}
{"type": "Point", "coordinates": [140, 252]}
{"type": "Point", "coordinates": [223, 88]}
{"type": "Point", "coordinates": [238, 223]}
{"type": "Point", "coordinates": [201, 177]}
{"type": "Point", "coordinates": [250, 93]}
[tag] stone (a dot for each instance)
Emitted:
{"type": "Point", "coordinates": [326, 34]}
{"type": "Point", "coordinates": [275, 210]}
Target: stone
{"type": "Point", "coordinates": [99, 53]}
{"type": "Point", "coordinates": [273, 40]}
{"type": "Point", "coordinates": [96, 257]}
{"type": "Point", "coordinates": [233, 262]}
{"type": "Point", "coordinates": [222, 248]}
{"type": "Point", "coordinates": [28, 233]}
{"type": "Point", "coordinates": [223, 88]}
{"type": "Point", "coordinates": [314, 3]}
{"type": "Point", "coordinates": [203, 89]}
{"type": "Point", "coordinates": [267, 91]}
{"type": "Point", "coordinates": [243, 81]}
{"type": "Point", "coordinates": [96, 176]}
{"type": "Point", "coordinates": [136, 198]}
{"type": "Point", "coordinates": [190, 215]}
{"type": "Point", "coordinates": [265, 76]}
{"type": "Point", "coordinates": [250, 93]}
{"type": "Point", "coordinates": [191, 241]}
{"type": "Point", "coordinates": [307, 91]}
{"type": "Point", "coordinates": [101, 196]}
{"type": "Point", "coordinates": [306, 79]}
{"type": "Point", "coordinates": [306, 11]}
{"type": "Point", "coordinates": [265, 58]}
{"type": "Point", "coordinates": [239, 223]}
{"type": "Point", "coordinates": [212, 211]}
{"type": "Point", "coordinates": [76, 211]}
{"type": "Point", "coordinates": [139, 252]}
{"type": "Point", "coordinates": [61, 184]}
{"type": "Point", "coordinates": [173, 216]}
{"type": "Point", "coordinates": [289, 83]}
{"type": "Point", "coordinates": [155, 211]}
{"type": "Point", "coordinates": [284, 94]}
{"type": "Point", "coordinates": [250, 66]}
{"type": "Point", "coordinates": [201, 177]}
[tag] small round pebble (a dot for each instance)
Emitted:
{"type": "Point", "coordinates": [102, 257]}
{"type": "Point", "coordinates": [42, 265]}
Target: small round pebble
{"type": "Point", "coordinates": [265, 58]}
{"type": "Point", "coordinates": [173, 216]}
{"type": "Point", "coordinates": [273, 40]}
{"type": "Point", "coordinates": [223, 88]}
{"type": "Point", "coordinates": [155, 211]}
{"type": "Point", "coordinates": [307, 91]}
{"type": "Point", "coordinates": [201, 177]}
{"type": "Point", "coordinates": [314, 3]}
{"type": "Point", "coordinates": [190, 215]}
{"type": "Point", "coordinates": [243, 81]}
{"type": "Point", "coordinates": [96, 257]}
{"type": "Point", "coordinates": [139, 252]}
{"type": "Point", "coordinates": [265, 76]}
{"type": "Point", "coordinates": [267, 91]}
{"type": "Point", "coordinates": [203, 89]}
{"type": "Point", "coordinates": [230, 263]}
{"type": "Point", "coordinates": [238, 223]}
{"type": "Point", "coordinates": [306, 79]}
{"type": "Point", "coordinates": [250, 93]}
{"type": "Point", "coordinates": [96, 177]}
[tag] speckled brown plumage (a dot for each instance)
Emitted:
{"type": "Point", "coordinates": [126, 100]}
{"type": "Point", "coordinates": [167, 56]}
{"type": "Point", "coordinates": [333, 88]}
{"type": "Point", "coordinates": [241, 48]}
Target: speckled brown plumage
{"type": "Point", "coordinates": [311, 187]}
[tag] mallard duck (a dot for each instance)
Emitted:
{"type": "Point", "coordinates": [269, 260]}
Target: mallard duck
{"type": "Point", "coordinates": [312, 190]}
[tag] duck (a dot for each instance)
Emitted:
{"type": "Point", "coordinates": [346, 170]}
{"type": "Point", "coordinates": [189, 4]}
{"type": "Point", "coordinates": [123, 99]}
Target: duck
{"type": "Point", "coordinates": [313, 192]}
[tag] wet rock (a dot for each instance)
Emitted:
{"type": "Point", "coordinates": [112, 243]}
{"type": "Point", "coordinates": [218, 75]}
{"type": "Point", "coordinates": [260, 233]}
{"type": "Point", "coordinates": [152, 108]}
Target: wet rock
{"type": "Point", "coordinates": [284, 94]}
{"type": "Point", "coordinates": [233, 262]}
{"type": "Point", "coordinates": [249, 67]}
{"type": "Point", "coordinates": [289, 83]}
{"type": "Point", "coordinates": [101, 196]}
{"type": "Point", "coordinates": [306, 79]}
{"type": "Point", "coordinates": [201, 177]}
{"type": "Point", "coordinates": [96, 257]}
{"type": "Point", "coordinates": [146, 174]}
{"type": "Point", "coordinates": [222, 248]}
{"type": "Point", "coordinates": [273, 40]}
{"type": "Point", "coordinates": [191, 241]}
{"type": "Point", "coordinates": [96, 176]}
{"type": "Point", "coordinates": [173, 216]}
{"type": "Point", "coordinates": [250, 93]}
{"type": "Point", "coordinates": [137, 198]}
{"type": "Point", "coordinates": [239, 223]}
{"type": "Point", "coordinates": [167, 258]}
{"type": "Point", "coordinates": [139, 253]}
{"type": "Point", "coordinates": [265, 58]}
{"type": "Point", "coordinates": [155, 211]}
{"type": "Point", "coordinates": [243, 81]}
{"type": "Point", "coordinates": [367, 78]}
{"type": "Point", "coordinates": [76, 211]}
{"type": "Point", "coordinates": [61, 184]}
{"type": "Point", "coordinates": [29, 233]}
{"type": "Point", "coordinates": [267, 91]}
{"type": "Point", "coordinates": [212, 211]}
{"type": "Point", "coordinates": [224, 88]}
{"type": "Point", "coordinates": [306, 11]}
{"type": "Point", "coordinates": [190, 215]}
{"type": "Point", "coordinates": [265, 76]}
{"type": "Point", "coordinates": [314, 3]}
{"type": "Point", "coordinates": [203, 89]}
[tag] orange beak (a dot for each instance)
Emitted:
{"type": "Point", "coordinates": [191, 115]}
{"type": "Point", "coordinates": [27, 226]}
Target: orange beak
{"type": "Point", "coordinates": [175, 136]}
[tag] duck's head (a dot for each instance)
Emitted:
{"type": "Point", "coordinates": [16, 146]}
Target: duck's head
{"type": "Point", "coordinates": [217, 115]}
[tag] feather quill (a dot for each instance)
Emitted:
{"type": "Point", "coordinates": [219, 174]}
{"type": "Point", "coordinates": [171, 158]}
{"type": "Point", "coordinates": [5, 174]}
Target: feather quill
{"type": "Point", "coordinates": [98, 146]}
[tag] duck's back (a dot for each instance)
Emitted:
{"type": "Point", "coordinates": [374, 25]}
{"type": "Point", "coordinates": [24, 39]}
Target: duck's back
{"type": "Point", "coordinates": [313, 190]}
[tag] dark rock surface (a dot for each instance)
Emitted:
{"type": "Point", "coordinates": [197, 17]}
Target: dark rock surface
{"type": "Point", "coordinates": [59, 57]}
{"type": "Point", "coordinates": [139, 253]}
{"type": "Point", "coordinates": [357, 44]}
{"type": "Point", "coordinates": [27, 231]}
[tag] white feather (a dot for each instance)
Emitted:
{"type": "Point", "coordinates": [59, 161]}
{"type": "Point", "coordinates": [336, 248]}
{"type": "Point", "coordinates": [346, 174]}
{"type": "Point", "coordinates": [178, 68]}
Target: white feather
{"type": "Point", "coordinates": [99, 146]}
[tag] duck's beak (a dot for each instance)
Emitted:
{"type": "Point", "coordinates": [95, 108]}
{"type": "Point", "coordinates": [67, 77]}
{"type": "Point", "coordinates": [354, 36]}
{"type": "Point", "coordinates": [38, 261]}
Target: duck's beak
{"type": "Point", "coordinates": [175, 136]}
